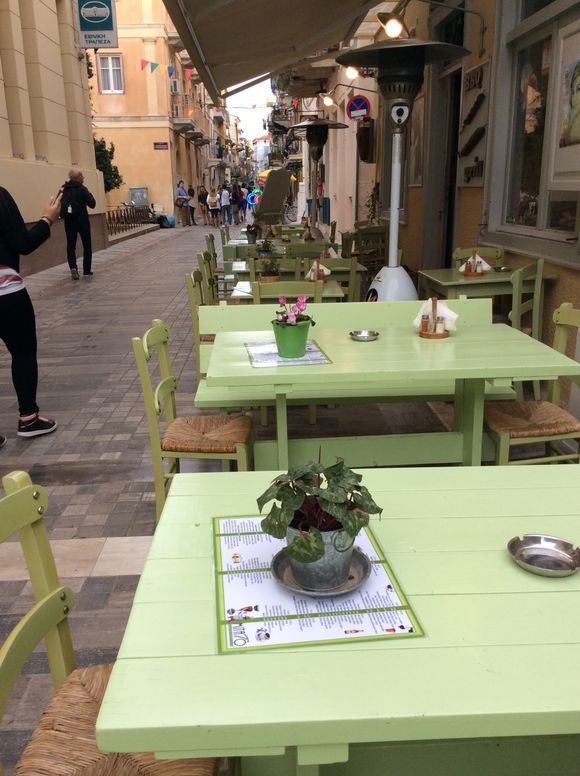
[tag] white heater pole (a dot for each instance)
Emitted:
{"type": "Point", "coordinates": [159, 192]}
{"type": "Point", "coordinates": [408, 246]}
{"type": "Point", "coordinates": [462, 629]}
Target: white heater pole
{"type": "Point", "coordinates": [314, 193]}
{"type": "Point", "coordinates": [396, 165]}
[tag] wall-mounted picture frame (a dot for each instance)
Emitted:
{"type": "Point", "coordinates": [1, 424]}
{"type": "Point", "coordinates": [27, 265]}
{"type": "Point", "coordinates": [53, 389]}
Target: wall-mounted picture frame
{"type": "Point", "coordinates": [565, 125]}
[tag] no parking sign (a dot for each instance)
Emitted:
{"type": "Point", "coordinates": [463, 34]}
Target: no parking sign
{"type": "Point", "coordinates": [358, 107]}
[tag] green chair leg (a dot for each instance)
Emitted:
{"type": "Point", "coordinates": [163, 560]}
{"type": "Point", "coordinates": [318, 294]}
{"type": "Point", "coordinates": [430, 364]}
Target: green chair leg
{"type": "Point", "coordinates": [263, 415]}
{"type": "Point", "coordinates": [312, 414]}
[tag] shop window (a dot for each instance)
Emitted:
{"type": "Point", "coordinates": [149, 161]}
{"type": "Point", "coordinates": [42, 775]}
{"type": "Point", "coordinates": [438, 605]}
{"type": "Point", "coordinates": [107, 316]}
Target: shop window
{"type": "Point", "coordinates": [533, 172]}
{"type": "Point", "coordinates": [110, 74]}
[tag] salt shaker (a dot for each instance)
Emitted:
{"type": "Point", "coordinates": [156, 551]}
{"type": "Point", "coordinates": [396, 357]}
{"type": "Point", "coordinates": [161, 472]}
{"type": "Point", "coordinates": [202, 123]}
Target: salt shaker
{"type": "Point", "coordinates": [440, 325]}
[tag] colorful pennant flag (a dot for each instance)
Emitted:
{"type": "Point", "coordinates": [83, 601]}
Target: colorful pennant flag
{"type": "Point", "coordinates": [170, 71]}
{"type": "Point", "coordinates": [154, 66]}
{"type": "Point", "coordinates": [188, 73]}
{"type": "Point", "coordinates": [144, 63]}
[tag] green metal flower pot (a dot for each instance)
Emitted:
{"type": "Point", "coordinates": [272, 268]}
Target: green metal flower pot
{"type": "Point", "coordinates": [291, 340]}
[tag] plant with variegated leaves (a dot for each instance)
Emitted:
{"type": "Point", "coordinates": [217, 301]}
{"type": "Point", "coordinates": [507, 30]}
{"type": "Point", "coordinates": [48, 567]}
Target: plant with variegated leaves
{"type": "Point", "coordinates": [315, 499]}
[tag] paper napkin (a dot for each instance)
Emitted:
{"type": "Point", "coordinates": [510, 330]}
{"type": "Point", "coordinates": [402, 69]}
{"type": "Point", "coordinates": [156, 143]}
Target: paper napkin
{"type": "Point", "coordinates": [442, 309]}
{"type": "Point", "coordinates": [484, 265]}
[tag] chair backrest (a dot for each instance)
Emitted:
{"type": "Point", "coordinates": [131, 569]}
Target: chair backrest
{"type": "Point", "coordinates": [21, 511]}
{"type": "Point", "coordinates": [347, 242]}
{"type": "Point", "coordinates": [210, 242]}
{"type": "Point", "coordinates": [533, 304]}
{"type": "Point", "coordinates": [372, 240]}
{"type": "Point", "coordinates": [332, 234]}
{"type": "Point", "coordinates": [303, 250]}
{"type": "Point", "coordinates": [209, 280]}
{"type": "Point", "coordinates": [290, 268]}
{"type": "Point", "coordinates": [460, 255]}
{"type": "Point", "coordinates": [266, 292]}
{"type": "Point", "coordinates": [567, 320]}
{"type": "Point", "coordinates": [341, 269]}
{"type": "Point", "coordinates": [225, 234]}
{"type": "Point", "coordinates": [193, 284]}
{"type": "Point", "coordinates": [161, 397]}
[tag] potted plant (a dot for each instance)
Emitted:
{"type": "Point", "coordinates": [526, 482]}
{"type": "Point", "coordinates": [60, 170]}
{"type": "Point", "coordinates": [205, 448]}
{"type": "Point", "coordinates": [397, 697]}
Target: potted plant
{"type": "Point", "coordinates": [291, 327]}
{"type": "Point", "coordinates": [319, 511]}
{"type": "Point", "coordinates": [252, 232]}
{"type": "Point", "coordinates": [269, 268]}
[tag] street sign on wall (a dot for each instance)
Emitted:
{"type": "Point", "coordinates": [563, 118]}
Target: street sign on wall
{"type": "Point", "coordinates": [358, 107]}
{"type": "Point", "coordinates": [97, 24]}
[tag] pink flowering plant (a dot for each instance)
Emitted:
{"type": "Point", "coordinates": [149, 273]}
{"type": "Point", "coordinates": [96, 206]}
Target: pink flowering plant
{"type": "Point", "coordinates": [291, 314]}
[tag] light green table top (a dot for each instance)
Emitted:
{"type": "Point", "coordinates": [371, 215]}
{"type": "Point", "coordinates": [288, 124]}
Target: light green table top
{"type": "Point", "coordinates": [488, 352]}
{"type": "Point", "coordinates": [499, 658]}
{"type": "Point", "coordinates": [332, 291]}
{"type": "Point", "coordinates": [450, 283]}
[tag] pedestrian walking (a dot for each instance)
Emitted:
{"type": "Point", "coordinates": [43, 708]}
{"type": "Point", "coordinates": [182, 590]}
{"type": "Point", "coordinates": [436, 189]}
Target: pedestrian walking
{"type": "Point", "coordinates": [226, 206]}
{"type": "Point", "coordinates": [181, 204]}
{"type": "Point", "coordinates": [17, 321]}
{"type": "Point", "coordinates": [243, 201]}
{"type": "Point", "coordinates": [213, 203]}
{"type": "Point", "coordinates": [73, 209]}
{"type": "Point", "coordinates": [235, 204]}
{"type": "Point", "coordinates": [202, 196]}
{"type": "Point", "coordinates": [191, 205]}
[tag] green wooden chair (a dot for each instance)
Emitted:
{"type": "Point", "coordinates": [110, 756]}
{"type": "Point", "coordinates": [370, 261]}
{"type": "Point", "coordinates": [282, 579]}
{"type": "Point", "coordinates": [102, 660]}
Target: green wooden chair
{"type": "Point", "coordinates": [343, 269]}
{"type": "Point", "coordinates": [216, 437]}
{"type": "Point", "coordinates": [372, 246]}
{"type": "Point", "coordinates": [194, 286]}
{"type": "Point", "coordinates": [225, 234]}
{"type": "Point", "coordinates": [269, 292]}
{"type": "Point", "coordinates": [210, 244]}
{"type": "Point", "coordinates": [528, 303]}
{"type": "Point", "coordinates": [494, 255]}
{"type": "Point", "coordinates": [291, 269]}
{"type": "Point", "coordinates": [64, 740]}
{"type": "Point", "coordinates": [513, 423]}
{"type": "Point", "coordinates": [332, 233]}
{"type": "Point", "coordinates": [347, 244]}
{"type": "Point", "coordinates": [209, 284]}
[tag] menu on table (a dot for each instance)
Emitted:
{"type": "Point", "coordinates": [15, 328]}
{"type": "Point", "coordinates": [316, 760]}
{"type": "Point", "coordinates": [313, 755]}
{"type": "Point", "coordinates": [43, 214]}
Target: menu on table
{"type": "Point", "coordinates": [254, 611]}
{"type": "Point", "coordinates": [265, 354]}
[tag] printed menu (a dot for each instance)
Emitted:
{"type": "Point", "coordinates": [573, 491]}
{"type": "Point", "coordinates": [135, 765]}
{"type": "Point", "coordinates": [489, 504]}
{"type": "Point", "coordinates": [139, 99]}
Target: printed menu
{"type": "Point", "coordinates": [255, 611]}
{"type": "Point", "coordinates": [265, 355]}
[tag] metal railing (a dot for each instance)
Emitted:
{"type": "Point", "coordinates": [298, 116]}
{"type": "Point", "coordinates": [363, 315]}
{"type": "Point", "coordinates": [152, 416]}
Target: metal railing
{"type": "Point", "coordinates": [125, 218]}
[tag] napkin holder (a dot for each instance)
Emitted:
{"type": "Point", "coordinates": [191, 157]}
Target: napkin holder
{"type": "Point", "coordinates": [469, 271]}
{"type": "Point", "coordinates": [431, 333]}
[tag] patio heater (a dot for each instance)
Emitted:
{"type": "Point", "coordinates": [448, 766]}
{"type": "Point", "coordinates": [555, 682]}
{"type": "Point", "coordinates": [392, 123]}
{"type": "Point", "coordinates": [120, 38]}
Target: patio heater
{"type": "Point", "coordinates": [316, 131]}
{"type": "Point", "coordinates": [400, 64]}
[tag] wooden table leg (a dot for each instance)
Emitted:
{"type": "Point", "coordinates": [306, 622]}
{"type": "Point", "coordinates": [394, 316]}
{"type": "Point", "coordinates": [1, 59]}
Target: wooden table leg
{"type": "Point", "coordinates": [282, 430]}
{"type": "Point", "coordinates": [471, 419]}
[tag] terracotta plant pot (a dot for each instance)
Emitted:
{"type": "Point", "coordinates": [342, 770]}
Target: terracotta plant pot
{"type": "Point", "coordinates": [269, 278]}
{"type": "Point", "coordinates": [291, 340]}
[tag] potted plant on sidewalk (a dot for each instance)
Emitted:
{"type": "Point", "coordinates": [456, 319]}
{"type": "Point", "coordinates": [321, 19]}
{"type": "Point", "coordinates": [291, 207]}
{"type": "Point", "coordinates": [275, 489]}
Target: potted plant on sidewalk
{"type": "Point", "coordinates": [319, 511]}
{"type": "Point", "coordinates": [252, 232]}
{"type": "Point", "coordinates": [291, 327]}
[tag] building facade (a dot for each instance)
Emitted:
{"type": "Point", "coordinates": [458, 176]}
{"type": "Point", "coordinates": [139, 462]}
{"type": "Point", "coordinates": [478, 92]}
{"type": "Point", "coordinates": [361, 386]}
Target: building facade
{"type": "Point", "coordinates": [149, 102]}
{"type": "Point", "coordinates": [45, 117]}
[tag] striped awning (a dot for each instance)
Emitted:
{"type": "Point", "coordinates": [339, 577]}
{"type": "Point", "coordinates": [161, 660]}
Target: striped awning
{"type": "Point", "coordinates": [231, 42]}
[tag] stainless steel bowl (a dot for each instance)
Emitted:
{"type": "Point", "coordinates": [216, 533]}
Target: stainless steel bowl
{"type": "Point", "coordinates": [548, 556]}
{"type": "Point", "coordinates": [504, 269]}
{"type": "Point", "coordinates": [364, 335]}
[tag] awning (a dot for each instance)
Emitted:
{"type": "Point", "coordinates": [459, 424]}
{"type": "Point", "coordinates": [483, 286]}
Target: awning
{"type": "Point", "coordinates": [220, 35]}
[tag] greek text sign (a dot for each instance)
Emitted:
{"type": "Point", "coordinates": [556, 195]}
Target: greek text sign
{"type": "Point", "coordinates": [97, 24]}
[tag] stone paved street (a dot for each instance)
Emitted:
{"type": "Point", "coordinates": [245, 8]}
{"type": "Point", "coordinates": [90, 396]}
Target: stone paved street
{"type": "Point", "coordinates": [96, 466]}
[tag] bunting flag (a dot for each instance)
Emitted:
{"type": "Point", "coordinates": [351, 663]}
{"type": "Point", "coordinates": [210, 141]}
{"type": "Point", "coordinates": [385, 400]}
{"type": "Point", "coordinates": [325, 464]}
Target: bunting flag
{"type": "Point", "coordinates": [162, 68]}
{"type": "Point", "coordinates": [170, 71]}
{"type": "Point", "coordinates": [190, 112]}
{"type": "Point", "coordinates": [154, 66]}
{"type": "Point", "coordinates": [144, 64]}
{"type": "Point", "coordinates": [188, 73]}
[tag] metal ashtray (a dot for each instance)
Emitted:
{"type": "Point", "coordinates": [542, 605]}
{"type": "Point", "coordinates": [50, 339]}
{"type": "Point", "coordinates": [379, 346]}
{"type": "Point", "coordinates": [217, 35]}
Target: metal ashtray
{"type": "Point", "coordinates": [544, 555]}
{"type": "Point", "coordinates": [359, 572]}
{"type": "Point", "coordinates": [364, 335]}
{"type": "Point", "coordinates": [504, 269]}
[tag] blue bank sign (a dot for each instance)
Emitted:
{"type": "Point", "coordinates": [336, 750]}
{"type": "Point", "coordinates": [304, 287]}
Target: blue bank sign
{"type": "Point", "coordinates": [97, 24]}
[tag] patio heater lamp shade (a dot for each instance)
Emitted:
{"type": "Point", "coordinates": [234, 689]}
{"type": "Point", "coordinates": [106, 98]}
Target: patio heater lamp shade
{"type": "Point", "coordinates": [400, 65]}
{"type": "Point", "coordinates": [316, 133]}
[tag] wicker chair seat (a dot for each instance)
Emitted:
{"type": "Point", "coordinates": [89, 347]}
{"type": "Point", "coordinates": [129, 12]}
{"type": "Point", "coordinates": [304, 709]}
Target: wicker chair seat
{"type": "Point", "coordinates": [521, 419]}
{"type": "Point", "coordinates": [207, 433]}
{"type": "Point", "coordinates": [207, 338]}
{"type": "Point", "coordinates": [64, 742]}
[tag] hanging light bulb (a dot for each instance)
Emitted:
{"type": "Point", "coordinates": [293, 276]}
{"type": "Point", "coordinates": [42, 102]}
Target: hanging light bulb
{"type": "Point", "coordinates": [393, 24]}
{"type": "Point", "coordinates": [352, 73]}
{"type": "Point", "coordinates": [327, 100]}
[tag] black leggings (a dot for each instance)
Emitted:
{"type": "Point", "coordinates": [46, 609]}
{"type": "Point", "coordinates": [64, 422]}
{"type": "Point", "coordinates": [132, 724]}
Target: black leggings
{"type": "Point", "coordinates": [18, 330]}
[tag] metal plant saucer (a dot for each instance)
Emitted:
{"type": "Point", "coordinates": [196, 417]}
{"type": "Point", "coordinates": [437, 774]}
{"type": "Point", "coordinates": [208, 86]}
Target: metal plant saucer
{"type": "Point", "coordinates": [360, 568]}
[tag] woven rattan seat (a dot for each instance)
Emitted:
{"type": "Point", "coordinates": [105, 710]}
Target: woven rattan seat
{"type": "Point", "coordinates": [207, 338]}
{"type": "Point", "coordinates": [521, 419]}
{"type": "Point", "coordinates": [64, 743]}
{"type": "Point", "coordinates": [207, 433]}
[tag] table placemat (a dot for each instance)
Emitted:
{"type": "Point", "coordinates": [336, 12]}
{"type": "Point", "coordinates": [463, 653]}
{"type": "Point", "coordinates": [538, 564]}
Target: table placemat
{"type": "Point", "coordinates": [255, 612]}
{"type": "Point", "coordinates": [265, 355]}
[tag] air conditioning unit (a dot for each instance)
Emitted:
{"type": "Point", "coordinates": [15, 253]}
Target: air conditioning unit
{"type": "Point", "coordinates": [178, 111]}
{"type": "Point", "coordinates": [175, 86]}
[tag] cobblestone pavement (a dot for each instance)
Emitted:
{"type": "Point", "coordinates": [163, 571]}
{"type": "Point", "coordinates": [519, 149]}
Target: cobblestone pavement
{"type": "Point", "coordinates": [96, 466]}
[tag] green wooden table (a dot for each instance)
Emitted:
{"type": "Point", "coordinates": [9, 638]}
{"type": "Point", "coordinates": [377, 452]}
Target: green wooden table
{"type": "Point", "coordinates": [493, 687]}
{"type": "Point", "coordinates": [242, 291]}
{"type": "Point", "coordinates": [239, 249]}
{"type": "Point", "coordinates": [450, 284]}
{"type": "Point", "coordinates": [470, 357]}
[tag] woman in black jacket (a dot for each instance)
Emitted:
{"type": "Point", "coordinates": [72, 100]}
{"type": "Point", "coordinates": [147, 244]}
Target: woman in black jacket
{"type": "Point", "coordinates": [17, 322]}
